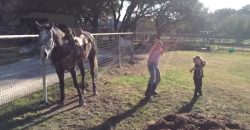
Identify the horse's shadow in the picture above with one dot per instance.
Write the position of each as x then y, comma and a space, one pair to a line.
111, 122
188, 107
9, 121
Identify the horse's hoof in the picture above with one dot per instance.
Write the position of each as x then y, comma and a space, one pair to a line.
82, 103
95, 93
61, 103
83, 92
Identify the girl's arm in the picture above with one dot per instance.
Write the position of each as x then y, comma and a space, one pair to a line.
164, 47
191, 70
162, 50
204, 63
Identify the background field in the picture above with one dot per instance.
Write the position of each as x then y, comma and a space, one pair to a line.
121, 104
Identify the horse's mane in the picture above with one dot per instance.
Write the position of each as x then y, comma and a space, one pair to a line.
55, 29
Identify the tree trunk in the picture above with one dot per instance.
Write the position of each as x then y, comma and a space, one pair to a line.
2, 23
158, 34
127, 17
116, 25
95, 24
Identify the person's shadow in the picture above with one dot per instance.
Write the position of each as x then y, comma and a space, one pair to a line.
111, 122
188, 107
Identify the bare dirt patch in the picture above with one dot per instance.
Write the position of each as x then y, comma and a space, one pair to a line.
190, 121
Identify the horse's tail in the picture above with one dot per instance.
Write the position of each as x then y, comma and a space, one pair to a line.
95, 48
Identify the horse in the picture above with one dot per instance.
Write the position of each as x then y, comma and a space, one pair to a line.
66, 50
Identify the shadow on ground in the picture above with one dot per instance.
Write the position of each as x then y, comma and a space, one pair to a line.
188, 107
19, 117
111, 122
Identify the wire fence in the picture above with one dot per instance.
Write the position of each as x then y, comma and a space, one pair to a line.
200, 43
21, 72
24, 76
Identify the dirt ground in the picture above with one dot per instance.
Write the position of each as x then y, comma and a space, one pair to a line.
121, 104
191, 121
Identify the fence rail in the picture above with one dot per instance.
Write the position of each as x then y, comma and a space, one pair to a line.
36, 35
17, 36
26, 76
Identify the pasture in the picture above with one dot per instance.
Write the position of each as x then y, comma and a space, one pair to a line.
121, 104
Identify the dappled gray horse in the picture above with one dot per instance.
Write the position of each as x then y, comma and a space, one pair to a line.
66, 50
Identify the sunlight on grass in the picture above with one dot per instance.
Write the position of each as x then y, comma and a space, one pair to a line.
225, 86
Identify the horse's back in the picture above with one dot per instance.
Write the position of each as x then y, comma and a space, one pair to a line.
77, 31
83, 36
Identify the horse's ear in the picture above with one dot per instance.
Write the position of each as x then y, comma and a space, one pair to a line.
51, 25
38, 25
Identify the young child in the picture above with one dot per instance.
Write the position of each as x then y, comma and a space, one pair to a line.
153, 61
198, 74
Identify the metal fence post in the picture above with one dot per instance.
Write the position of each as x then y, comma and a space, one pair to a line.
119, 51
133, 47
44, 82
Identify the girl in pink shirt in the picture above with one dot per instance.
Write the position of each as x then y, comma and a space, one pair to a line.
154, 55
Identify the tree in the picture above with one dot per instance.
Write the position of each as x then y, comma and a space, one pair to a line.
221, 15
136, 10
92, 11
167, 13
236, 25
10, 9
245, 9
175, 12
116, 7
89, 11
230, 22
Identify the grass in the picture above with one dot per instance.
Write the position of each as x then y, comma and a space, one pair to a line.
121, 104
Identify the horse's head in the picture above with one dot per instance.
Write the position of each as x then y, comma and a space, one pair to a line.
46, 40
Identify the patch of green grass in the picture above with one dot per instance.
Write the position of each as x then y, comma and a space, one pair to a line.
121, 104
175, 78
131, 80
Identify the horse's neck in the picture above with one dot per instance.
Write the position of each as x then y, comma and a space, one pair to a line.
58, 36
61, 52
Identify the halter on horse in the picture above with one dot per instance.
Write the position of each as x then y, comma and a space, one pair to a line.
66, 51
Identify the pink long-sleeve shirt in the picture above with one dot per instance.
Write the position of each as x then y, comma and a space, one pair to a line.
154, 57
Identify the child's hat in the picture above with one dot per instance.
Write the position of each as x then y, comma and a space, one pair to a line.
196, 57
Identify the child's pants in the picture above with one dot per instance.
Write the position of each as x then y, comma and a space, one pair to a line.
154, 79
198, 85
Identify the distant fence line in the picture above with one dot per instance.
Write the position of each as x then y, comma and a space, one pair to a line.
195, 41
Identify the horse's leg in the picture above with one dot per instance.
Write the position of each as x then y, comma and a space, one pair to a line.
60, 74
82, 70
93, 73
73, 74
